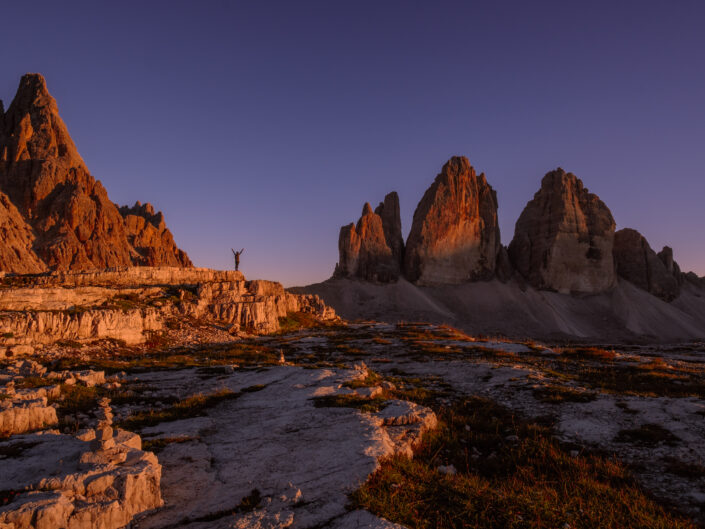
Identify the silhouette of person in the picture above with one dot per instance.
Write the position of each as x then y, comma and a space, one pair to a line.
237, 258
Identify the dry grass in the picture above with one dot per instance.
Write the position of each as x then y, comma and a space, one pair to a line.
511, 473
365, 405
554, 394
193, 406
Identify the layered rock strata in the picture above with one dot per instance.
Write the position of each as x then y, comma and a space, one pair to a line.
62, 217
64, 481
564, 238
455, 235
132, 303
639, 264
372, 249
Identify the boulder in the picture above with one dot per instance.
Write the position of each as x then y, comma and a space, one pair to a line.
371, 250
639, 264
563, 239
69, 221
454, 236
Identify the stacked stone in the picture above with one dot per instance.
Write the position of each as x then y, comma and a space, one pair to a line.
104, 432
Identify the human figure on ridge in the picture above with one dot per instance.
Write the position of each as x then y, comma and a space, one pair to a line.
237, 258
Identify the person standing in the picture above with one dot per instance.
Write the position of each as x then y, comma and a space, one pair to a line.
237, 258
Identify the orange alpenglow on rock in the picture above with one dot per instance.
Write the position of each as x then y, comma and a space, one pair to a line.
372, 249
58, 216
454, 236
564, 237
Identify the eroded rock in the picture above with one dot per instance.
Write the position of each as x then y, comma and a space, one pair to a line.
639, 264
372, 249
60, 217
564, 238
455, 234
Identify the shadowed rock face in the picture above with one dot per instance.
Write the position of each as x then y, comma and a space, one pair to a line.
390, 213
73, 222
455, 235
563, 239
639, 264
16, 254
371, 250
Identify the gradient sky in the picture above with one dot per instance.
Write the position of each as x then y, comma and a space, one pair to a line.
267, 125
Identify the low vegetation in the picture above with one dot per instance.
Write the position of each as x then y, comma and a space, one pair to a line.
365, 405
192, 406
507, 473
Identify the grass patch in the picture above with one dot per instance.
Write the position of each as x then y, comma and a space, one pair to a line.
193, 406
36, 382
591, 353
363, 404
296, 321
511, 473
372, 379
561, 394
647, 434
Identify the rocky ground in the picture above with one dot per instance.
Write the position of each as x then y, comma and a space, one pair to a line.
313, 427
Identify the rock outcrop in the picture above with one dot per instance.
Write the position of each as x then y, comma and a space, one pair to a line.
390, 213
69, 221
564, 237
639, 264
149, 236
130, 304
372, 249
16, 241
454, 235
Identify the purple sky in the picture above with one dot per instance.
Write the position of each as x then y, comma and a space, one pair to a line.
268, 124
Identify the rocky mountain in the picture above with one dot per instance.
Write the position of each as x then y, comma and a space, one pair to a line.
390, 213
454, 235
636, 262
365, 252
62, 217
563, 239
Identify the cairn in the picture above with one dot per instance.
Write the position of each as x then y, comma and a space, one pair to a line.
104, 432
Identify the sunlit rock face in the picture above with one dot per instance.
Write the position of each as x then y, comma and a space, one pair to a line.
69, 221
372, 249
564, 237
637, 263
454, 235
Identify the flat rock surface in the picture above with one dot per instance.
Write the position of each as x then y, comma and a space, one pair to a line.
275, 441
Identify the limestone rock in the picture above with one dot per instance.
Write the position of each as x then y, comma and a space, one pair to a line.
74, 225
638, 263
666, 256
455, 235
16, 252
390, 213
81, 306
563, 239
19, 415
149, 236
372, 249
61, 484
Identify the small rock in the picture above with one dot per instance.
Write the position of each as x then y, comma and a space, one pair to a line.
449, 470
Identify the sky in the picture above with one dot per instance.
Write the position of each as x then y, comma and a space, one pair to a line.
267, 125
